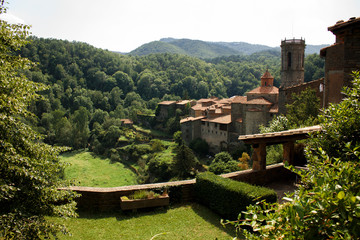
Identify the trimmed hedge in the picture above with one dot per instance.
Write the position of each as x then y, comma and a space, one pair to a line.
229, 197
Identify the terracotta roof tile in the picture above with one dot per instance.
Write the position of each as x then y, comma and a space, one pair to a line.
167, 102
183, 102
190, 119
267, 75
259, 101
268, 90
199, 107
225, 119
239, 99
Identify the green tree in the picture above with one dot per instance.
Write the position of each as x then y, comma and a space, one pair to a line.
29, 169
304, 109
185, 162
81, 132
223, 163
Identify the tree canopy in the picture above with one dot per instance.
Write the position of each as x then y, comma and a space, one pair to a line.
29, 169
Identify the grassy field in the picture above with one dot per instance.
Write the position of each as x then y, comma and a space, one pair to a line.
190, 222
91, 171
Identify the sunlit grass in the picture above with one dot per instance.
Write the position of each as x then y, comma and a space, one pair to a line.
92, 171
182, 222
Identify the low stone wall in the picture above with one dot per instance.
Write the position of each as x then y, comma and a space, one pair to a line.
108, 199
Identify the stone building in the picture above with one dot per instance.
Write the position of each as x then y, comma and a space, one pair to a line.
220, 121
167, 109
341, 58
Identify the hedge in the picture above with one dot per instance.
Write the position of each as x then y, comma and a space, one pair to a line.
229, 197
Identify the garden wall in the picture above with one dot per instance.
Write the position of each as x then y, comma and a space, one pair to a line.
108, 199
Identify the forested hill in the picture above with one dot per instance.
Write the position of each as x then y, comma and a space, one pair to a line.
203, 49
91, 89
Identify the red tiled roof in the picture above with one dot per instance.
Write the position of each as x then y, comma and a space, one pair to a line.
226, 119
207, 100
198, 107
267, 75
167, 102
239, 99
183, 102
190, 119
259, 101
267, 90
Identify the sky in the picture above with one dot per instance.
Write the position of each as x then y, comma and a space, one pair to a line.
124, 25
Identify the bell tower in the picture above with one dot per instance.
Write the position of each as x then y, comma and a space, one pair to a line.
292, 62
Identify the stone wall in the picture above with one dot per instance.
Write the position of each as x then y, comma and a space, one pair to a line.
285, 94
108, 199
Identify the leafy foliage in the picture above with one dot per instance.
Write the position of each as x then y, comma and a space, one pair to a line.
228, 197
304, 109
327, 203
185, 162
223, 163
29, 169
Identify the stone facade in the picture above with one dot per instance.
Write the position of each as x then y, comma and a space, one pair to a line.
292, 62
341, 58
220, 121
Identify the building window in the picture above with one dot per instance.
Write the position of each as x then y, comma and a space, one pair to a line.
203, 123
216, 125
289, 59
223, 127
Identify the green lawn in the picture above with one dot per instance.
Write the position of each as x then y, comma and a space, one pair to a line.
91, 171
180, 222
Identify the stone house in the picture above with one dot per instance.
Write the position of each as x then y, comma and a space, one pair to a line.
341, 59
167, 109
221, 121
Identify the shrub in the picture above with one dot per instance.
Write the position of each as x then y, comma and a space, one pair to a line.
229, 197
223, 163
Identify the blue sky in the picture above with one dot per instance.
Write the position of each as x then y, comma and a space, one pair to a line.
123, 25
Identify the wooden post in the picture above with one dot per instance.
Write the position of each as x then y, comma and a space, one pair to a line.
288, 153
259, 157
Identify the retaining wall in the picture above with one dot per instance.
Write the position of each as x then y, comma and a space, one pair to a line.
108, 199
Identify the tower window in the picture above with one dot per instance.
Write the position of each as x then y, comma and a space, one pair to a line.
289, 59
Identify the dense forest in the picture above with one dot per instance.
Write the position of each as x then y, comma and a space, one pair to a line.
91, 89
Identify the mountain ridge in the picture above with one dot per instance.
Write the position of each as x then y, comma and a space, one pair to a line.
207, 49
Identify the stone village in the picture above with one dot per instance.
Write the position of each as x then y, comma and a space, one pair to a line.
220, 121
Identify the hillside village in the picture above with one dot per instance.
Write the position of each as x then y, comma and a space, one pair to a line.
220, 121
103, 104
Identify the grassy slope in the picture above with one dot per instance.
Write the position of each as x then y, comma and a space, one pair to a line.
182, 222
91, 171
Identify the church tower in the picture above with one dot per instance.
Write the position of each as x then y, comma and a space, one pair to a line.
292, 62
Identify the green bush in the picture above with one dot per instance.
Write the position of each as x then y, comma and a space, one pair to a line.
224, 163
228, 197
